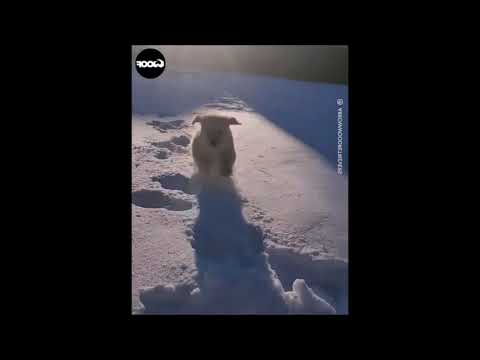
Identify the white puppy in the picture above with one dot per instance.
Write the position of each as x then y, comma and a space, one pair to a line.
212, 147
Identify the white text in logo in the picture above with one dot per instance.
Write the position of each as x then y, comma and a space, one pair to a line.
151, 64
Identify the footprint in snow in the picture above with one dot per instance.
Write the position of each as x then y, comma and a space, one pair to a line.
162, 154
163, 126
158, 199
177, 144
174, 181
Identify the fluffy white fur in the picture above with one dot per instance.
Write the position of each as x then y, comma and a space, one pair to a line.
212, 148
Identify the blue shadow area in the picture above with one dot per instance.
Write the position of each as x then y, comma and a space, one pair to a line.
221, 231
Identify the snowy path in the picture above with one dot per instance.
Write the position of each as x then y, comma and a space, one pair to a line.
239, 246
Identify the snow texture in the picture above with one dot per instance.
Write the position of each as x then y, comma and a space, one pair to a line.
270, 240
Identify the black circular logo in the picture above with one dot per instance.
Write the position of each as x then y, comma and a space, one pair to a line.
150, 63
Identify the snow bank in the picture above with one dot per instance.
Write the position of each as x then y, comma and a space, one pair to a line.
228, 288
328, 277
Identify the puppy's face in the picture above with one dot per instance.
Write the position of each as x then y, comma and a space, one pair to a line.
215, 128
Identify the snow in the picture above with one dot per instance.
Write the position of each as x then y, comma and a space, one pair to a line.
270, 240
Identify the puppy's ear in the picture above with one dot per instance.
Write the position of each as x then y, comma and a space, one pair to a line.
233, 121
198, 118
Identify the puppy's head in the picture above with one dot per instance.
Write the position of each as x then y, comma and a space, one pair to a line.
215, 127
